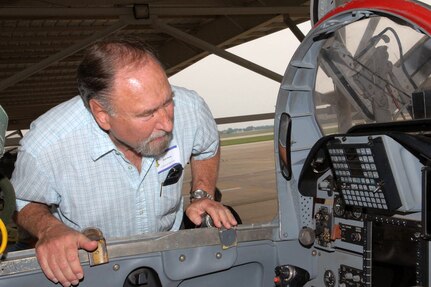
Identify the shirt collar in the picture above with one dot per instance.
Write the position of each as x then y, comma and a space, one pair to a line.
101, 143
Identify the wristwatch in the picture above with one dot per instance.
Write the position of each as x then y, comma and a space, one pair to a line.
199, 193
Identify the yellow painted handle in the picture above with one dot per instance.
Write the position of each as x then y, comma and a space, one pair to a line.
4, 238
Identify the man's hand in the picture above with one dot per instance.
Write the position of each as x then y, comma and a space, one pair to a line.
57, 253
57, 245
221, 216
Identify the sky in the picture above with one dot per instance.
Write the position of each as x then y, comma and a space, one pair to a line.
231, 90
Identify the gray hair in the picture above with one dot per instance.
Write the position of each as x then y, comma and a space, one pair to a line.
96, 72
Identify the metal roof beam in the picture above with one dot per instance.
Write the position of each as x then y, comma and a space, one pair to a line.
10, 142
145, 11
41, 89
215, 50
54, 12
294, 28
54, 98
59, 56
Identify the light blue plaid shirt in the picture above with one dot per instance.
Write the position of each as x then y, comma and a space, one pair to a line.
66, 161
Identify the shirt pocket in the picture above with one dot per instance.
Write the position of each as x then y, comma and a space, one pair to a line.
170, 196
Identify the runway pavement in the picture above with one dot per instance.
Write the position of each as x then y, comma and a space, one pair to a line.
247, 181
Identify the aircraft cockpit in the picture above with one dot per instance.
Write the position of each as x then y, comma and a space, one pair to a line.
355, 115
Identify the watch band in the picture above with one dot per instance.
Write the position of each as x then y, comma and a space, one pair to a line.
200, 193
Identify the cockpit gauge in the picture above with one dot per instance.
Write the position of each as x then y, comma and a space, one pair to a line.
339, 206
356, 212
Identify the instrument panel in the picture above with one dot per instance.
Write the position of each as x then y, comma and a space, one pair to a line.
367, 212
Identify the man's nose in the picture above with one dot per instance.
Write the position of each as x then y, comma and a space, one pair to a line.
165, 119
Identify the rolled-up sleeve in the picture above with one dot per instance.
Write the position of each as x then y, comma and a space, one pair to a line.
31, 181
206, 142
194, 128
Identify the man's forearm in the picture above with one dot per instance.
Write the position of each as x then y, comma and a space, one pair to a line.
36, 218
205, 173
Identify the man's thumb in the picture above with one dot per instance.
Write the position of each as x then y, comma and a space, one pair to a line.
87, 244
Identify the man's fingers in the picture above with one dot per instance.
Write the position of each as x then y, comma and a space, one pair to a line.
66, 266
77, 273
62, 272
43, 262
221, 215
228, 219
195, 217
52, 269
59, 258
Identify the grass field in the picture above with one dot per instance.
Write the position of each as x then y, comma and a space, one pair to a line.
246, 139
246, 133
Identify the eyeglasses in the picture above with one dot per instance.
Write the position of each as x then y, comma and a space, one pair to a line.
173, 176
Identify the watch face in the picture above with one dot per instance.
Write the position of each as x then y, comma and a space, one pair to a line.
199, 193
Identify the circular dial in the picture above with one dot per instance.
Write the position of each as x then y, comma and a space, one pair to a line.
339, 206
356, 212
306, 236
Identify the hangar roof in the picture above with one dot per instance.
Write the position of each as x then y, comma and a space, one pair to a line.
42, 40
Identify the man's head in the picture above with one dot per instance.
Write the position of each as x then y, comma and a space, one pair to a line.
128, 93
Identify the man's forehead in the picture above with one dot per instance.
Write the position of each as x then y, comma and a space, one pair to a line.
140, 75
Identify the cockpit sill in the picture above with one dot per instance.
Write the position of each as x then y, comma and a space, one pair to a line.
25, 261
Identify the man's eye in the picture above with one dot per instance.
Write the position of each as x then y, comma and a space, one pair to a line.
146, 117
167, 104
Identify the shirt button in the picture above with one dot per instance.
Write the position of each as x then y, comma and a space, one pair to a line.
130, 167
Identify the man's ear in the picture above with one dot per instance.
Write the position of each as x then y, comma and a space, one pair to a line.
100, 114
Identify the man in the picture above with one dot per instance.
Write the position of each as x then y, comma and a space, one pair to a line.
112, 159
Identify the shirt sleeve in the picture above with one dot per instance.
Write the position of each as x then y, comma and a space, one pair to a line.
31, 181
206, 142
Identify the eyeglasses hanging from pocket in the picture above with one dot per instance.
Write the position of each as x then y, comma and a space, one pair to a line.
173, 176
